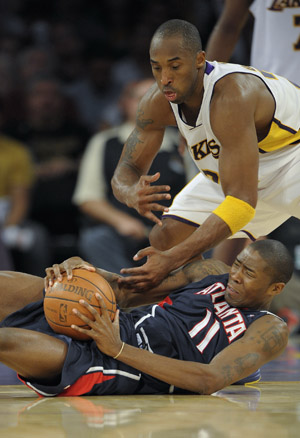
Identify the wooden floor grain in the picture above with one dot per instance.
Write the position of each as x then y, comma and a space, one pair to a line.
270, 408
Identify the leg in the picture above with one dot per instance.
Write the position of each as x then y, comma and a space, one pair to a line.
170, 233
17, 290
32, 354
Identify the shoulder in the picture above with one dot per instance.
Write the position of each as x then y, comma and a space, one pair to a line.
155, 106
269, 332
239, 99
235, 86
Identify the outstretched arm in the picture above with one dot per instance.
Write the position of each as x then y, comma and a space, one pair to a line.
227, 30
194, 271
264, 340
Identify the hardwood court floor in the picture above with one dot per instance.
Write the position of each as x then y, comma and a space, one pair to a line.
270, 408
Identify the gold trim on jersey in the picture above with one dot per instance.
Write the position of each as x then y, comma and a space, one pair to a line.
279, 136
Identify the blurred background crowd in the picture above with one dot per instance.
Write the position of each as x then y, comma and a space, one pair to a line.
64, 69
71, 75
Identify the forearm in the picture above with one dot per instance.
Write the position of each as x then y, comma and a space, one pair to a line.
263, 341
208, 235
125, 177
221, 43
126, 298
194, 271
190, 376
226, 33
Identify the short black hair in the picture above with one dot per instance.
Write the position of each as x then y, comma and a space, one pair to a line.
189, 33
279, 260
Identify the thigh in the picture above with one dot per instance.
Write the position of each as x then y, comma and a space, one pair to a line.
195, 202
17, 290
32, 354
282, 190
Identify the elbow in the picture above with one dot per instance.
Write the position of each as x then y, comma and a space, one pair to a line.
210, 386
209, 382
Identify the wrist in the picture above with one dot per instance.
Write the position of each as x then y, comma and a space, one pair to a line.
178, 256
120, 351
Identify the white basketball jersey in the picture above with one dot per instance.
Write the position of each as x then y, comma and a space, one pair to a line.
276, 37
203, 144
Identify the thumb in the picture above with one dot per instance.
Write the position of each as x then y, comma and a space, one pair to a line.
116, 318
152, 178
145, 252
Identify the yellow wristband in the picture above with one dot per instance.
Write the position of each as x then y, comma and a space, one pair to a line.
235, 212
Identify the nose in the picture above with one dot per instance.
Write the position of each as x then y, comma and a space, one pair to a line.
235, 274
165, 78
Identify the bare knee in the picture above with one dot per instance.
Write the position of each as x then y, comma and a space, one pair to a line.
32, 354
169, 234
17, 290
9, 341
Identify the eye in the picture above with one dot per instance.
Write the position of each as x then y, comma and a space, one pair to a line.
155, 67
250, 274
175, 67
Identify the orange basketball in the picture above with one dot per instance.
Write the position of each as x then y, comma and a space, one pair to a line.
64, 296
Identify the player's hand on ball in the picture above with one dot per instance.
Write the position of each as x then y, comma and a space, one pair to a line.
55, 271
102, 330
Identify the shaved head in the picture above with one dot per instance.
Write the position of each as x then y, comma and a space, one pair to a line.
188, 33
279, 261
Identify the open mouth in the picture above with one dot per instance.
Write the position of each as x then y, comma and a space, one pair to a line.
232, 292
170, 95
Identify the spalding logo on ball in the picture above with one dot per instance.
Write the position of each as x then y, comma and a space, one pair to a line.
64, 296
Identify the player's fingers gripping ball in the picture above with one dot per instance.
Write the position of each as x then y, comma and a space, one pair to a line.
64, 296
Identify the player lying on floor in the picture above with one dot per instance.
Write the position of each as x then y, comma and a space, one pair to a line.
212, 331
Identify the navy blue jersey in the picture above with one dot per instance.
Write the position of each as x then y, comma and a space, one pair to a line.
193, 323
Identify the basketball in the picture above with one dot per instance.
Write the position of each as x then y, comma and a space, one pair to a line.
64, 296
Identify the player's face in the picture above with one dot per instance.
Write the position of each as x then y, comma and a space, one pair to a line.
177, 71
249, 283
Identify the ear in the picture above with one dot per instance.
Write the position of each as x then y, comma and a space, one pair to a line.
276, 288
200, 61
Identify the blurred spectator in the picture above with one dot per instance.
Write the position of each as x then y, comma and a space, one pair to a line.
56, 141
34, 61
94, 96
111, 232
134, 65
68, 48
24, 244
7, 76
57, 39
6, 263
